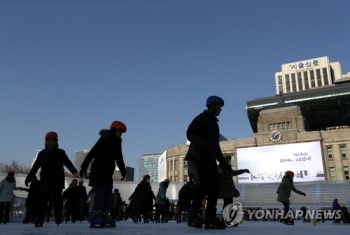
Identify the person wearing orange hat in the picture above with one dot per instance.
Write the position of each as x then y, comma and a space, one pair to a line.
143, 200
284, 190
71, 195
51, 161
7, 185
105, 154
161, 202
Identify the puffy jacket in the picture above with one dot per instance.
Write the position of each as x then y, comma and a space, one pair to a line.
106, 152
204, 133
52, 165
161, 195
6, 190
228, 188
285, 189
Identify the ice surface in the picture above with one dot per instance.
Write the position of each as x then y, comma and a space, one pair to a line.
172, 228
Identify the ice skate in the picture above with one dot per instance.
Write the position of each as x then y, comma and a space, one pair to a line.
108, 220
96, 220
195, 221
214, 223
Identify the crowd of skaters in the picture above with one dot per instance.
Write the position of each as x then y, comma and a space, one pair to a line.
102, 206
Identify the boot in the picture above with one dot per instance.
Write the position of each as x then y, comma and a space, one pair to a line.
39, 222
194, 220
96, 220
109, 221
289, 221
135, 219
212, 222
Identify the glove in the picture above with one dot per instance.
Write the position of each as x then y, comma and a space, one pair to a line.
123, 177
82, 172
304, 194
278, 192
246, 171
26, 183
76, 175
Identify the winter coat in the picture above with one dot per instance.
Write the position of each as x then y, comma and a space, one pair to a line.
82, 192
336, 206
161, 195
71, 194
227, 188
106, 152
33, 194
52, 169
116, 201
204, 133
6, 189
143, 196
186, 192
285, 189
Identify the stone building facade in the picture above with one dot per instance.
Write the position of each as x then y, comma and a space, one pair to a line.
290, 123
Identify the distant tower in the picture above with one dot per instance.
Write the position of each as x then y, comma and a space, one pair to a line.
31, 166
79, 157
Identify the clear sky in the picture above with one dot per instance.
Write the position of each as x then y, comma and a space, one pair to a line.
75, 66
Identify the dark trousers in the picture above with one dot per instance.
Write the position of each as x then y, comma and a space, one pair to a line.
227, 201
46, 198
285, 210
209, 186
31, 213
102, 199
72, 210
6, 206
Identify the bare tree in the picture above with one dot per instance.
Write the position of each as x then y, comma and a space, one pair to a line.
15, 166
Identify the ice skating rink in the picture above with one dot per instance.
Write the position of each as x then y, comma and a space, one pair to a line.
172, 228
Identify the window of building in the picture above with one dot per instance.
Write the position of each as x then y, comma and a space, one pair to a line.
275, 126
171, 179
325, 76
167, 165
171, 164
294, 83
300, 82
283, 125
185, 164
312, 78
175, 178
318, 76
329, 152
287, 83
343, 151
270, 127
232, 160
185, 178
346, 172
288, 125
306, 80
175, 164
333, 175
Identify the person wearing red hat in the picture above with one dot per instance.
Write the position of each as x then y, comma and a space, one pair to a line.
7, 185
105, 154
51, 161
284, 190
71, 195
143, 200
